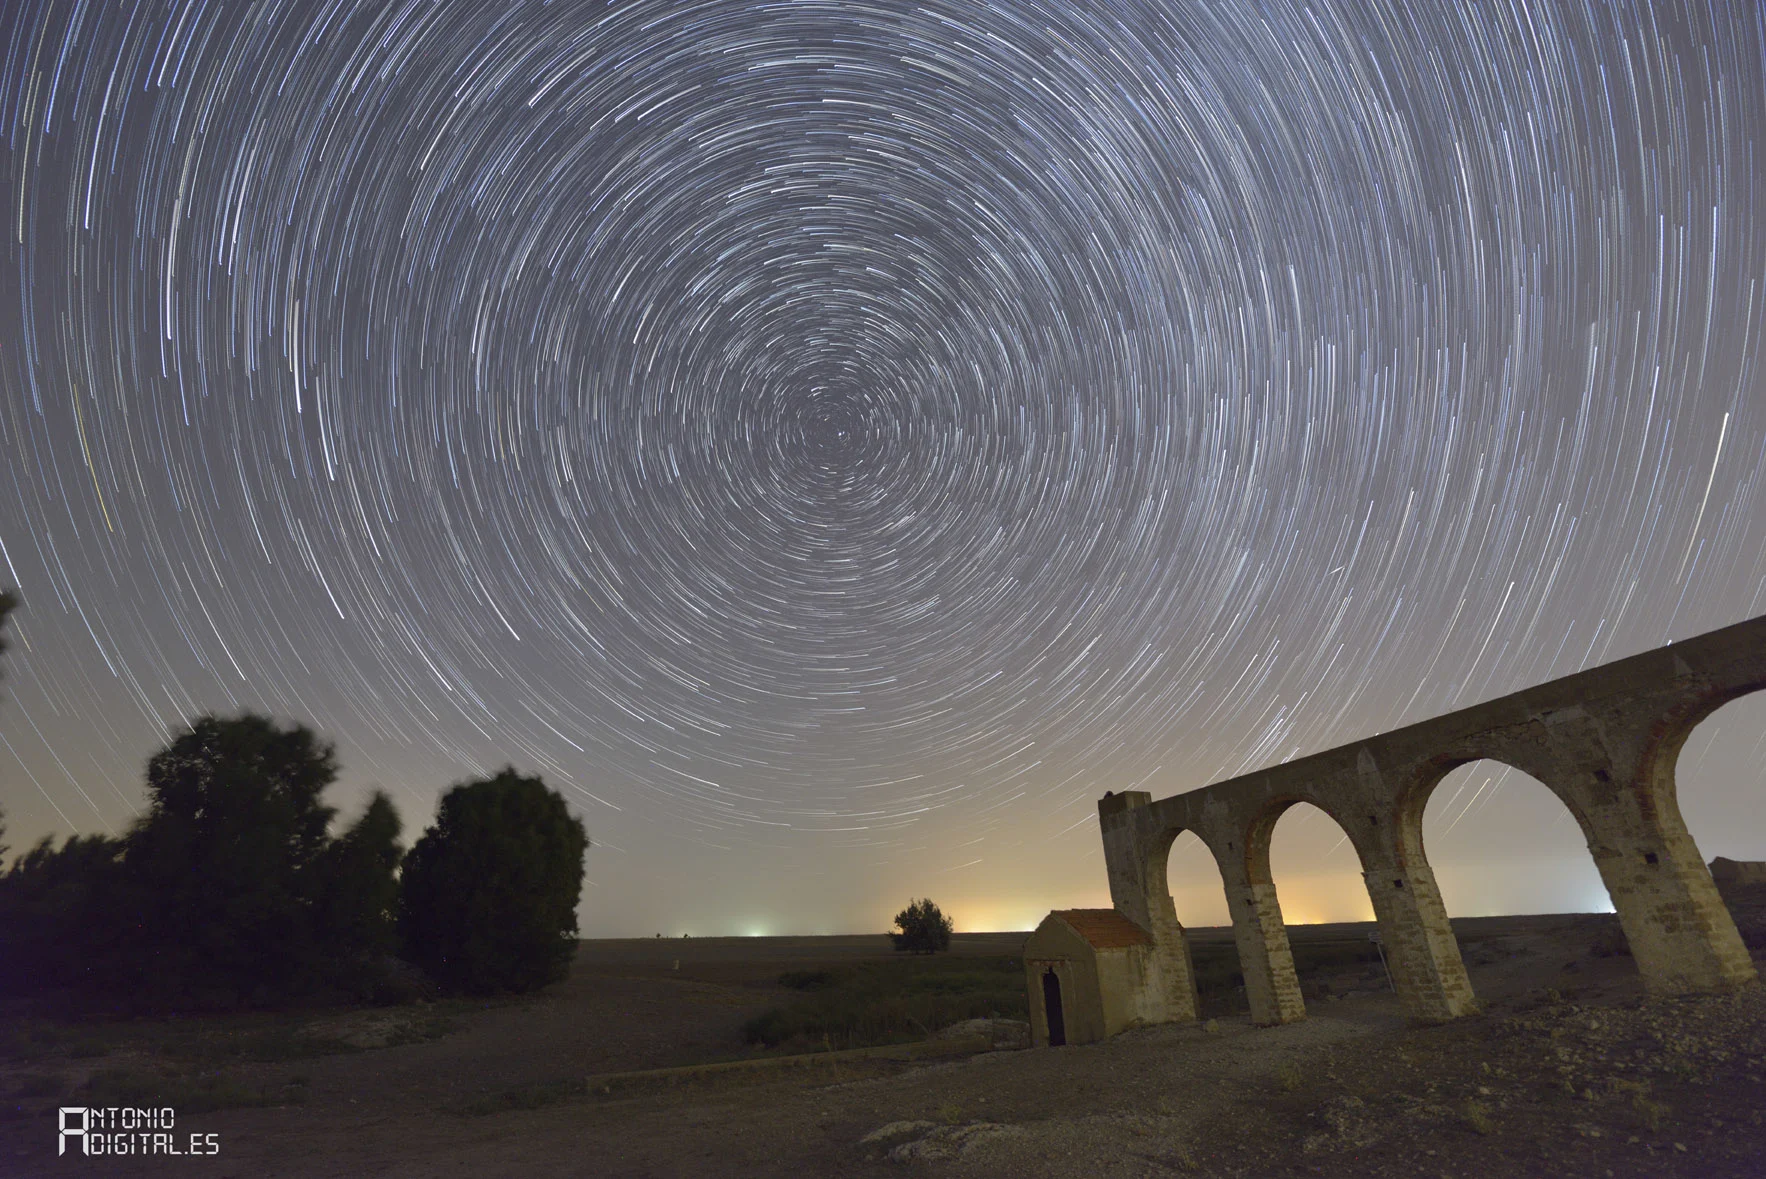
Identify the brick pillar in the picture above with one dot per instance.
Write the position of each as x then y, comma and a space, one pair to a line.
1681, 935
1264, 957
1138, 892
1421, 951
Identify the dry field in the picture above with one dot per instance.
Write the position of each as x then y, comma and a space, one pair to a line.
1571, 1071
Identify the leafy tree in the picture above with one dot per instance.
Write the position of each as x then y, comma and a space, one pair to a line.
57, 920
924, 930
228, 890
356, 910
55, 926
489, 893
226, 869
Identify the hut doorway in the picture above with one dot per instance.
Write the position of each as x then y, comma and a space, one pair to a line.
1051, 1005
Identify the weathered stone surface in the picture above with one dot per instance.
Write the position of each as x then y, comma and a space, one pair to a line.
1603, 740
1726, 871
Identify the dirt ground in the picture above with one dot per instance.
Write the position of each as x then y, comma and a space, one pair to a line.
1570, 1071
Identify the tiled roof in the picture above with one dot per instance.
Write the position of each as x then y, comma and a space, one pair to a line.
1104, 929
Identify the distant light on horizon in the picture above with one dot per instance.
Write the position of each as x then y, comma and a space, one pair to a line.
835, 443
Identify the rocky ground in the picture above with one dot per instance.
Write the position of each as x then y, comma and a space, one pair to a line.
1570, 1071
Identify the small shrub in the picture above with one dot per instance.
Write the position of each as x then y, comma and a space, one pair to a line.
1180, 1158
770, 1027
809, 980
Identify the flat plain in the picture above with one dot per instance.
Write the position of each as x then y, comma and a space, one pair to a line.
1570, 1070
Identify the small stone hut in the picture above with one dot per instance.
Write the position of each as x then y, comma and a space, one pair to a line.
1086, 972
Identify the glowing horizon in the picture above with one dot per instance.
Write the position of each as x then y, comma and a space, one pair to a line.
834, 444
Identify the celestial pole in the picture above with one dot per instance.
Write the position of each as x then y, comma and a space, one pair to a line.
826, 436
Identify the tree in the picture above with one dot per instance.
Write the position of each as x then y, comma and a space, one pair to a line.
488, 898
356, 909
229, 890
57, 921
924, 930
8, 603
57, 928
224, 872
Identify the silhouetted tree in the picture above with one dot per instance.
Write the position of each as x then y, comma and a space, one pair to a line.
228, 890
358, 896
59, 928
488, 898
8, 603
224, 871
924, 930
47, 898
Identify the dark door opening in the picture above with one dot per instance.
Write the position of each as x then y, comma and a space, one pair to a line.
1051, 1006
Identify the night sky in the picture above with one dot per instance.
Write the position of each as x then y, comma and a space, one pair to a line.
835, 442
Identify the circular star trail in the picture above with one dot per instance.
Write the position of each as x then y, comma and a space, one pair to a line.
834, 436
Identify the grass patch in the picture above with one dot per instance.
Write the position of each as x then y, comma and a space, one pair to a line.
1310, 957
265, 1044
193, 1093
257, 1037
1216, 964
889, 1001
1650, 1114
432, 1027
32, 1040
37, 1085
30, 1095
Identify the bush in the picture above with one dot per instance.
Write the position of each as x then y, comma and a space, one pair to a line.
57, 919
924, 930
488, 902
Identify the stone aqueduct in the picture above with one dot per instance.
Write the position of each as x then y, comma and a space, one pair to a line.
1603, 740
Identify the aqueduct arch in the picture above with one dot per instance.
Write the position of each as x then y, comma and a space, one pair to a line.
1603, 740
1530, 819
